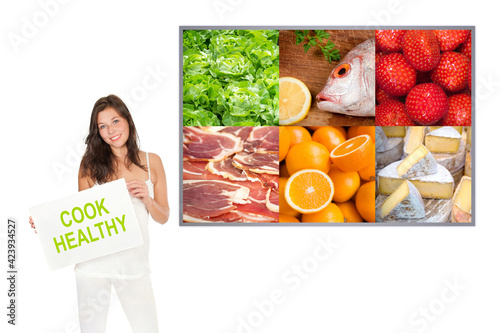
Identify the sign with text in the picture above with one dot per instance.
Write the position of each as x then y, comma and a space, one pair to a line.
87, 225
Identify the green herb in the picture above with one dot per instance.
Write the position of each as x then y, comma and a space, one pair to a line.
230, 78
315, 38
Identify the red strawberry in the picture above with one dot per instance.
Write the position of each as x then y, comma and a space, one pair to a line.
465, 48
451, 72
459, 112
381, 96
421, 49
426, 103
469, 77
450, 39
395, 75
379, 56
389, 40
392, 113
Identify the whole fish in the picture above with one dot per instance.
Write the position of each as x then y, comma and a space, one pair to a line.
350, 88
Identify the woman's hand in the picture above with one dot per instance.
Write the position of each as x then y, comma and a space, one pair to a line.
139, 189
33, 224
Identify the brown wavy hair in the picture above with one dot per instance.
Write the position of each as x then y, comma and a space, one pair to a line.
98, 162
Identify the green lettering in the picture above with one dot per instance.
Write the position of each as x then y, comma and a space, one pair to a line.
69, 240
99, 225
109, 227
62, 220
61, 243
101, 206
81, 237
90, 236
87, 213
81, 214
122, 222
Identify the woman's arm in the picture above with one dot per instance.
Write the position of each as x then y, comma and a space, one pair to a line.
157, 207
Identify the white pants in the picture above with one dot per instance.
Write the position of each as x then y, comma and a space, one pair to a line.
135, 295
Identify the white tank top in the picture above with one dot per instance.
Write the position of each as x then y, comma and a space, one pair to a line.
127, 264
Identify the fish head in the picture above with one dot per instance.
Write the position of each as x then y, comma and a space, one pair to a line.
348, 89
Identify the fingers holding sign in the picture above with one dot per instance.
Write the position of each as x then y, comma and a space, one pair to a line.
33, 224
139, 189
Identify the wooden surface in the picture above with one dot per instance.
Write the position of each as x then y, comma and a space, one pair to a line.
313, 69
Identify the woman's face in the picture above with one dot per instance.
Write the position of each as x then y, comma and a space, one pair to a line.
113, 128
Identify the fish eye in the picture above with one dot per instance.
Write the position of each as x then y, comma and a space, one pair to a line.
341, 70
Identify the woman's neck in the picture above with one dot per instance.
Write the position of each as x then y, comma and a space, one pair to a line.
120, 153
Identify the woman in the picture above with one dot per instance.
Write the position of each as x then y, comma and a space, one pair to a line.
112, 153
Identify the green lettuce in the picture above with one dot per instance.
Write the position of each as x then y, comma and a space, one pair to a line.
230, 77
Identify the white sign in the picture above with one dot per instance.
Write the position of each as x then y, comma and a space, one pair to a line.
87, 225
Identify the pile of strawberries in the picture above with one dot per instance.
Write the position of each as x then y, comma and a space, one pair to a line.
423, 77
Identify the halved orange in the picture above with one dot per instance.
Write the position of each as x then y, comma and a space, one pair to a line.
295, 100
309, 191
353, 154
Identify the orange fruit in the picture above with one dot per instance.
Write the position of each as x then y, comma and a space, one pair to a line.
349, 211
330, 214
328, 136
285, 208
342, 130
365, 201
309, 191
284, 143
368, 172
352, 132
346, 183
313, 128
295, 100
369, 130
308, 155
284, 170
298, 134
287, 219
353, 154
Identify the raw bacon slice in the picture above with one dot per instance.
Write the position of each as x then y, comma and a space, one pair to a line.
257, 162
226, 169
263, 139
199, 145
210, 198
273, 200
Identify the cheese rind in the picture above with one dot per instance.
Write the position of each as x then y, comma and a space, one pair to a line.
438, 185
394, 131
453, 161
381, 142
443, 140
436, 211
419, 163
405, 203
459, 216
458, 128
392, 154
414, 138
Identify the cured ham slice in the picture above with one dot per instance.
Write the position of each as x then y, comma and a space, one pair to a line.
197, 171
226, 169
199, 145
209, 198
241, 132
263, 139
273, 200
267, 180
258, 162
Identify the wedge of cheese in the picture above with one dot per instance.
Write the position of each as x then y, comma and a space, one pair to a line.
458, 128
436, 211
404, 203
467, 169
394, 131
443, 140
414, 138
438, 185
419, 163
462, 201
381, 142
454, 161
392, 154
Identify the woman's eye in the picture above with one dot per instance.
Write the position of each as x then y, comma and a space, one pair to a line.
102, 126
116, 121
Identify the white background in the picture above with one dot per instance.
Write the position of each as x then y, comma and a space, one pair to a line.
210, 279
